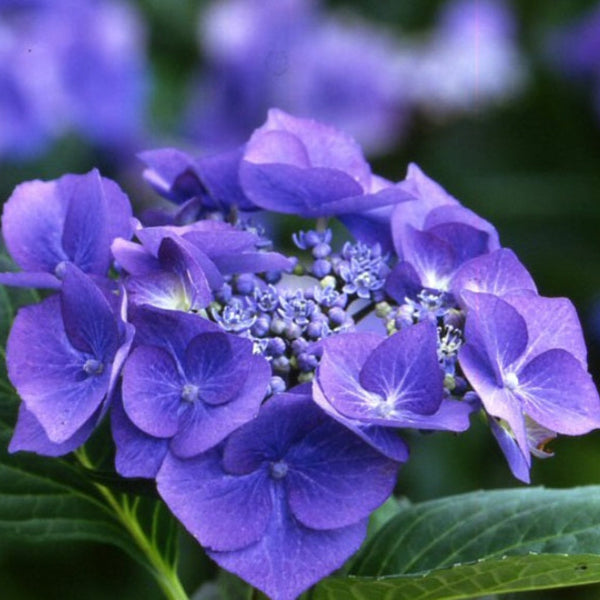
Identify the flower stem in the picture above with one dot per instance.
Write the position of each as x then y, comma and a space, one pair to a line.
163, 572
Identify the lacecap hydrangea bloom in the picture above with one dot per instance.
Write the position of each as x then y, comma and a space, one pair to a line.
267, 394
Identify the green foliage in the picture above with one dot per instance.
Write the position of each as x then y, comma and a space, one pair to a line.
480, 543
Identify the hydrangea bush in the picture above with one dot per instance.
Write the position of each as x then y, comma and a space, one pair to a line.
266, 394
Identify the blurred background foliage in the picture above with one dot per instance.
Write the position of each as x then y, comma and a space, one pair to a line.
530, 165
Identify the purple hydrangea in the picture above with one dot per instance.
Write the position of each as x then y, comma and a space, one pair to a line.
527, 374
65, 372
267, 394
367, 382
189, 382
48, 225
284, 501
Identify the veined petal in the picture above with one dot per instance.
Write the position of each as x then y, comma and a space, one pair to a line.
50, 374
559, 394
326, 482
498, 273
290, 557
89, 322
30, 436
223, 512
152, 391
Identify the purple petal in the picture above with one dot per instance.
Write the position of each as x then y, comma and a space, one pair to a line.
519, 462
466, 242
152, 391
220, 175
172, 174
403, 282
176, 259
324, 146
253, 262
498, 273
218, 364
30, 279
90, 323
384, 440
432, 258
135, 259
496, 326
181, 256
221, 511
289, 557
497, 400
203, 426
171, 330
565, 331
457, 214
32, 223
428, 195
326, 481
85, 237
222, 241
49, 373
304, 192
559, 394
161, 290
339, 369
30, 436
277, 147
137, 453
294, 415
405, 372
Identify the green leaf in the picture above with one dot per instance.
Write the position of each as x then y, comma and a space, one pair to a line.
55, 500
478, 544
48, 500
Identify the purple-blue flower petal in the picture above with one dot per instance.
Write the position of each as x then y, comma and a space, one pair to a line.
202, 427
152, 390
563, 332
218, 364
327, 488
498, 327
221, 511
30, 436
137, 453
498, 273
54, 379
289, 558
405, 372
558, 393
89, 321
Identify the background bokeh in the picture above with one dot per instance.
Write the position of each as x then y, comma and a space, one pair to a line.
529, 163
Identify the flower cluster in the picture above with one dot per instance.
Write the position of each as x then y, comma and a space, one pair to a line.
265, 393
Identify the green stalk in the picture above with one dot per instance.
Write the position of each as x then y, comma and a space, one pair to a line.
164, 573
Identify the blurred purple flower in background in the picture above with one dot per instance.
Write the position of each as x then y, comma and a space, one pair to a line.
470, 59
575, 50
261, 54
360, 77
70, 67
